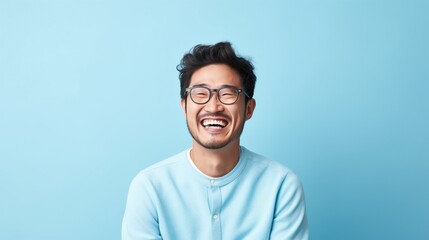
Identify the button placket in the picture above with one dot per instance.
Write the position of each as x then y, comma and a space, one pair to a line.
215, 200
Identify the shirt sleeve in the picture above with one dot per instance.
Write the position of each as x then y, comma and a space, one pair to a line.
290, 221
140, 221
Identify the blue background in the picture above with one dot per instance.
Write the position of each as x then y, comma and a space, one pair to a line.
89, 95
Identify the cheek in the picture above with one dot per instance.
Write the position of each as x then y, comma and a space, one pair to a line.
239, 114
192, 112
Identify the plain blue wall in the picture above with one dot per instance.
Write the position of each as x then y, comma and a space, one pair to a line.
89, 95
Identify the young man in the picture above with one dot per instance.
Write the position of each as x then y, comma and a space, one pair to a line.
217, 189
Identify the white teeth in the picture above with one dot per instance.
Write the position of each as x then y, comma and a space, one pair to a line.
214, 123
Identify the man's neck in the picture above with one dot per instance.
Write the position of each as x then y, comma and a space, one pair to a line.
215, 162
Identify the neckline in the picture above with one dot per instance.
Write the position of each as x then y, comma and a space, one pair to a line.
218, 181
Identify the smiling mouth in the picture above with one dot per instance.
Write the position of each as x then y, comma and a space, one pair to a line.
214, 123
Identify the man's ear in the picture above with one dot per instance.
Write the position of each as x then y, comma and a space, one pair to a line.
183, 105
250, 107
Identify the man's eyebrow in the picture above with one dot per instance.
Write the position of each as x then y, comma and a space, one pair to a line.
226, 85
200, 85
207, 86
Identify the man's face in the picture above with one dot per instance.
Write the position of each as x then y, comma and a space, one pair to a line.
214, 125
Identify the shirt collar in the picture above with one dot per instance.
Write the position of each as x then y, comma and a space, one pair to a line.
219, 181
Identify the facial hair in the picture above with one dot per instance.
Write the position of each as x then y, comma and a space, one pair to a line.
212, 145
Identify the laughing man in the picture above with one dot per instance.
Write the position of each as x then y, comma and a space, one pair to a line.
217, 189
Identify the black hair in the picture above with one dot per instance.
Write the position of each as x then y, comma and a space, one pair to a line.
219, 53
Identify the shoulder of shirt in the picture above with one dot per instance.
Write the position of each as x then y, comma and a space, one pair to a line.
167, 163
273, 166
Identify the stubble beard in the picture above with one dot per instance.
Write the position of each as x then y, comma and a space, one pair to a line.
212, 144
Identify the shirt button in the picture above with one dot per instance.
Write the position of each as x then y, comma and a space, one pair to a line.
215, 217
212, 182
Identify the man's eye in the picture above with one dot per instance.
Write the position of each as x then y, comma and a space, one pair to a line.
228, 94
200, 94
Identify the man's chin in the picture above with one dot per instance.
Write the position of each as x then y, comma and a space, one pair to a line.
213, 145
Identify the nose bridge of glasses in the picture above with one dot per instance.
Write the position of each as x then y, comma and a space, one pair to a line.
216, 91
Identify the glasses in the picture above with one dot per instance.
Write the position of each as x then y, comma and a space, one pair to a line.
226, 95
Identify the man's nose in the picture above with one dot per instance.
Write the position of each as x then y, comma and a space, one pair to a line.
214, 105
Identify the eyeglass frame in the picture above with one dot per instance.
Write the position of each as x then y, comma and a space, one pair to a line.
211, 90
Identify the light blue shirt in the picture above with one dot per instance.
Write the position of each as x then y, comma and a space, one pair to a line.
259, 199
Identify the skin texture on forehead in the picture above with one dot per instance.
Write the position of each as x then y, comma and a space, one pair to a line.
216, 76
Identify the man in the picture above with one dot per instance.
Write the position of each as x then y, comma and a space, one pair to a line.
217, 189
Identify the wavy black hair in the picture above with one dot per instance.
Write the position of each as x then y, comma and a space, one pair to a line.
219, 53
